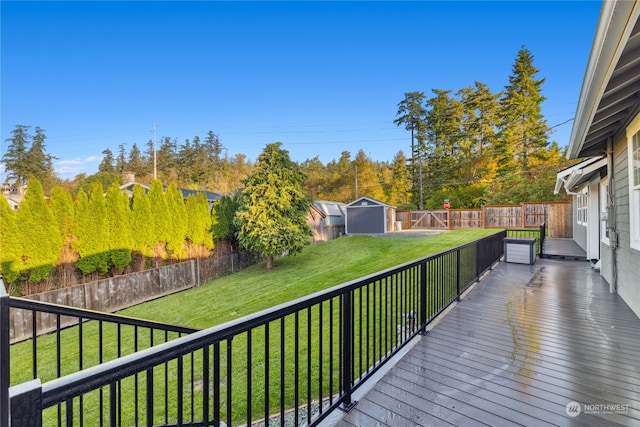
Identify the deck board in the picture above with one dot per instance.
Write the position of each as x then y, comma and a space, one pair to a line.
526, 341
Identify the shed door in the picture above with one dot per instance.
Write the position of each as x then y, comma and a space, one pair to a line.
365, 220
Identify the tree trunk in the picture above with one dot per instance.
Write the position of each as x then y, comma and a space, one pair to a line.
269, 265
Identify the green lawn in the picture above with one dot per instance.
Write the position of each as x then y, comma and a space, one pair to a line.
316, 268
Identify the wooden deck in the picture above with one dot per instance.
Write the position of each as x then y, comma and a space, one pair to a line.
563, 249
517, 350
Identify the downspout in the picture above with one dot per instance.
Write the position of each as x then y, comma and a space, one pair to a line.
611, 217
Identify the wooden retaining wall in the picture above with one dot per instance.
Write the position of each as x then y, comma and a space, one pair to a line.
106, 295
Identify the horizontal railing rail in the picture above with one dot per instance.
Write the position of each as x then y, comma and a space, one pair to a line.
66, 339
293, 363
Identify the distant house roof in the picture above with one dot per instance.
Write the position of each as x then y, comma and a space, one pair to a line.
211, 196
330, 208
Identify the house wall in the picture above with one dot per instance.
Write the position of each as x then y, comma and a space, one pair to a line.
579, 230
627, 259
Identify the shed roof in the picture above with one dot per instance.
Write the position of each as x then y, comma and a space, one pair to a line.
330, 208
359, 202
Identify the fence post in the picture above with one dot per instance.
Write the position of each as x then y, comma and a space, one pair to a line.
543, 232
26, 404
4, 357
423, 297
347, 350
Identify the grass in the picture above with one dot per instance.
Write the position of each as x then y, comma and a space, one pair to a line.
316, 268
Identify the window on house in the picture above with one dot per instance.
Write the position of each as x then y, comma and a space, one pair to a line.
633, 133
604, 223
582, 201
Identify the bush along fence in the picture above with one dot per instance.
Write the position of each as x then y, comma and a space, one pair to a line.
300, 360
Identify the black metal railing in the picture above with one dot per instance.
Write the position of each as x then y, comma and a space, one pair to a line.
299, 360
63, 339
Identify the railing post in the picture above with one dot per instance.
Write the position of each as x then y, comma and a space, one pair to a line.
26, 404
423, 296
4, 357
543, 232
347, 351
458, 275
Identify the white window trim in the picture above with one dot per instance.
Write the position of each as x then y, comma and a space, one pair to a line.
582, 206
604, 221
634, 190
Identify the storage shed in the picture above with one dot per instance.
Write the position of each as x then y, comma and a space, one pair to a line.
369, 216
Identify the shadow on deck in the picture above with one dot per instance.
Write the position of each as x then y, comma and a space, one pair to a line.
542, 344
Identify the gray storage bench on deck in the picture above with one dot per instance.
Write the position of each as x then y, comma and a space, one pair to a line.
521, 250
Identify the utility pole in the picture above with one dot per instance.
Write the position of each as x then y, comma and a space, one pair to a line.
154, 150
356, 179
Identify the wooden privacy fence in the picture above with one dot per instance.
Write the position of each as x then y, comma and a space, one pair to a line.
556, 215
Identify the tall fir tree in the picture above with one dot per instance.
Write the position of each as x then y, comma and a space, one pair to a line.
412, 114
273, 215
16, 156
107, 163
524, 131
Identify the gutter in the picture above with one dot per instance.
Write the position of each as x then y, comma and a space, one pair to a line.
611, 217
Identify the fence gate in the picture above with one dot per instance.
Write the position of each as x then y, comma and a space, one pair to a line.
560, 220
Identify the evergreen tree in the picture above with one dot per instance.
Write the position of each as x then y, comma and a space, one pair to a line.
160, 220
177, 232
121, 160
399, 190
318, 178
137, 163
273, 215
63, 211
16, 157
39, 237
524, 131
9, 243
40, 163
118, 216
166, 159
342, 179
142, 228
368, 177
412, 114
107, 164
223, 213
92, 231
199, 224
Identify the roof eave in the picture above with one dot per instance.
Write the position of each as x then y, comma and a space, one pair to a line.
615, 25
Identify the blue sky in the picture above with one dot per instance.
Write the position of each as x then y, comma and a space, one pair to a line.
321, 77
